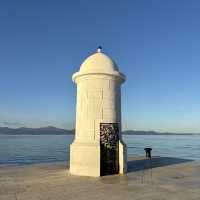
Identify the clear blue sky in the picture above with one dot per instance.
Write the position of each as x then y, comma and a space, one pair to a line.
155, 43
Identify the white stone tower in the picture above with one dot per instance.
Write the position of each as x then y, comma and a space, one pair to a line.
98, 148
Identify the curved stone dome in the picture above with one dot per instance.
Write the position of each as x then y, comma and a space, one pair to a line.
98, 62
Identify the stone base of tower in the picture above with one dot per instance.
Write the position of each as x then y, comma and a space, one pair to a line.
85, 159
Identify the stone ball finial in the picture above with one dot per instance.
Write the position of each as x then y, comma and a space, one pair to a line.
99, 49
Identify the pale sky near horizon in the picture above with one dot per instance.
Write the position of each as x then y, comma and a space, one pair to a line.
155, 43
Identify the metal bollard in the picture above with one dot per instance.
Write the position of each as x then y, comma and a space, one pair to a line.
148, 152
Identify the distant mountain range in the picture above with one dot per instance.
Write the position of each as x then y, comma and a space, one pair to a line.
131, 132
50, 130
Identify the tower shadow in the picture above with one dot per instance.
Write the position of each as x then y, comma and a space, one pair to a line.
141, 164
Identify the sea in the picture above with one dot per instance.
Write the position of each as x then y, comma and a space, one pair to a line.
30, 149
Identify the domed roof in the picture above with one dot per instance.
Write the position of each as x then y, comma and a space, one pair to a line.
98, 62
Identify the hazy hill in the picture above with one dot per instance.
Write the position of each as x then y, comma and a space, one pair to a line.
50, 130
35, 131
131, 132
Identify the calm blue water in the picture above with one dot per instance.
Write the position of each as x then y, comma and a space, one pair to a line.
49, 148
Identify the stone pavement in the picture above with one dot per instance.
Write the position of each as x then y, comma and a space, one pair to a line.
160, 179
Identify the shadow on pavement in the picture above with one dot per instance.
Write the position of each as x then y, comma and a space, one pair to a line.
137, 165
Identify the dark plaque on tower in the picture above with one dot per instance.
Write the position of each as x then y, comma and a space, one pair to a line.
109, 140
